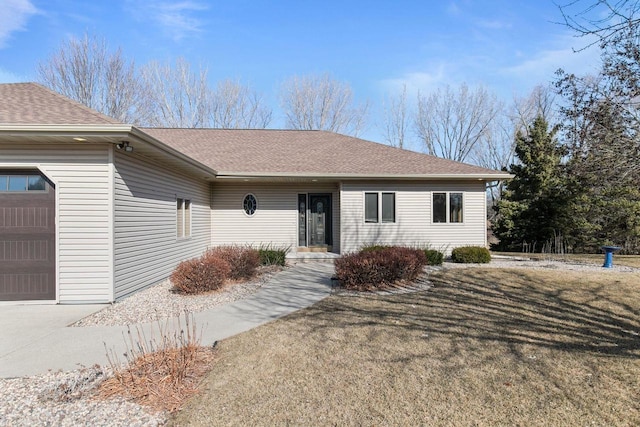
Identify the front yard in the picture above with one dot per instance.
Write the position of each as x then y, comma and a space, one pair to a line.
482, 347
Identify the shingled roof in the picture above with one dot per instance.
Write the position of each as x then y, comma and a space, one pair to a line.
239, 152
302, 152
34, 104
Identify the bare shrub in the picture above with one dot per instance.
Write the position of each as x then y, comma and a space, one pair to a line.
382, 267
243, 260
163, 373
198, 275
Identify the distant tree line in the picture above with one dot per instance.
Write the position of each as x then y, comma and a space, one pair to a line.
577, 184
573, 146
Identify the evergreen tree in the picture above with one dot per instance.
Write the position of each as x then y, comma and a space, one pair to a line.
532, 211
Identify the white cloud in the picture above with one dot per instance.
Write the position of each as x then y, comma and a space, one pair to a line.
178, 19
14, 16
418, 81
541, 66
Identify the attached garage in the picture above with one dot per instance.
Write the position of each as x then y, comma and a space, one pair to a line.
27, 236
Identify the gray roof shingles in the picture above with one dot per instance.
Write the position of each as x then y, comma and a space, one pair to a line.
233, 151
241, 151
34, 104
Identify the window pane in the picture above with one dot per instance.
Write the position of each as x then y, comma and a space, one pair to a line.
179, 218
455, 206
302, 220
250, 204
370, 207
17, 183
388, 207
439, 207
187, 217
3, 182
36, 183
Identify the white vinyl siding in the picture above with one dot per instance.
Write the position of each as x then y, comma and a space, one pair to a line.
413, 216
276, 219
147, 247
81, 175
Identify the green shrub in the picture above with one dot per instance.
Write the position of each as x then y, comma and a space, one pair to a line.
471, 255
243, 260
200, 275
376, 269
434, 257
273, 255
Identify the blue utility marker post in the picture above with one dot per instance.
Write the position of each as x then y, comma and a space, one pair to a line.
608, 255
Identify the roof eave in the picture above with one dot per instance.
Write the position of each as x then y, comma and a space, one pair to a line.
140, 135
352, 176
61, 130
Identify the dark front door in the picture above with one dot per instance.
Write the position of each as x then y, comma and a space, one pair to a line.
27, 237
320, 220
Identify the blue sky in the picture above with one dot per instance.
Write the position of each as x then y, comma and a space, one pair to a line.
376, 46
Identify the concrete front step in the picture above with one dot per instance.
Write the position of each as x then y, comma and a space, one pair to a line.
312, 257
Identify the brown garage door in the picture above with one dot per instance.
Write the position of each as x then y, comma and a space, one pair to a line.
27, 237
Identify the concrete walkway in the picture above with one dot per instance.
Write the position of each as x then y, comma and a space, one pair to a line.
35, 338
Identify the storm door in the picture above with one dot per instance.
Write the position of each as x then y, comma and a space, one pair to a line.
320, 220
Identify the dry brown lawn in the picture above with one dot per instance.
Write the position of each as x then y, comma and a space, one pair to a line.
598, 259
483, 347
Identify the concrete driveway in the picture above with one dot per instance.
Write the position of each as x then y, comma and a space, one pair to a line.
35, 338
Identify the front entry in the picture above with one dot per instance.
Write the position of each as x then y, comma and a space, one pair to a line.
320, 220
27, 237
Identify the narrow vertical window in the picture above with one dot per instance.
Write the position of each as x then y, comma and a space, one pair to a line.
439, 207
455, 207
180, 217
302, 220
388, 207
187, 218
370, 207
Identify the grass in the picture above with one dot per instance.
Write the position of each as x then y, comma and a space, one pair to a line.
483, 347
161, 372
627, 260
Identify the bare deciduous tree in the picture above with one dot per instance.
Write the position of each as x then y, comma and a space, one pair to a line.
396, 119
321, 103
180, 98
84, 70
235, 106
452, 123
539, 103
607, 21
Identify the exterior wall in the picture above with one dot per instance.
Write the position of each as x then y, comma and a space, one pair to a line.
276, 219
81, 174
413, 224
146, 246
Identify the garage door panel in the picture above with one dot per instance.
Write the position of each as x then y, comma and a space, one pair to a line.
27, 243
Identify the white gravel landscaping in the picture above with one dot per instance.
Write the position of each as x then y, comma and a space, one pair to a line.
65, 398
159, 302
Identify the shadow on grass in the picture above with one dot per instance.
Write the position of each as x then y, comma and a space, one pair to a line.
512, 308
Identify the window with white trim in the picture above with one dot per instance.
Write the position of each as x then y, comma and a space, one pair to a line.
21, 183
183, 217
447, 207
379, 205
250, 204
